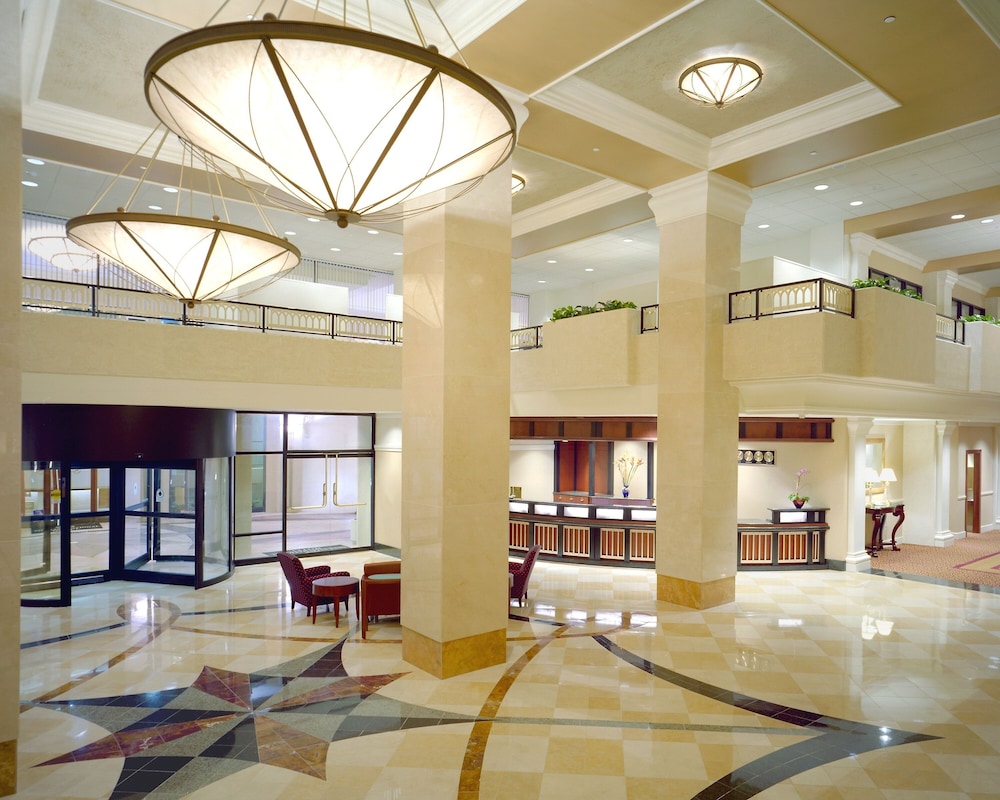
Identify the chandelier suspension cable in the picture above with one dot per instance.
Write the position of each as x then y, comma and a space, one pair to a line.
128, 164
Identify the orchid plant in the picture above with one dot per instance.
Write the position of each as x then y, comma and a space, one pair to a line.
627, 465
798, 480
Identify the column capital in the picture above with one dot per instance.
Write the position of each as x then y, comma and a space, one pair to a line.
697, 195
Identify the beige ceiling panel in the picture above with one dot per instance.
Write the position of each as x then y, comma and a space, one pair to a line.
96, 59
932, 214
934, 59
546, 179
545, 40
567, 138
647, 70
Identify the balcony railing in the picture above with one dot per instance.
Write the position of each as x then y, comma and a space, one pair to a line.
818, 294
39, 294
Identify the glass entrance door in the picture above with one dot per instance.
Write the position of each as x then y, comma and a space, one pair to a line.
44, 558
160, 520
328, 502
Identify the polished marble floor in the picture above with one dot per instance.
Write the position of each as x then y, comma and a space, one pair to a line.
811, 685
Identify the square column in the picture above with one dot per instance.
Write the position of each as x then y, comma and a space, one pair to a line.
10, 388
456, 431
697, 410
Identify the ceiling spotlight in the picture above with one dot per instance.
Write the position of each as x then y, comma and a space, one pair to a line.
720, 81
36, 161
857, 202
821, 187
986, 221
516, 183
551, 261
763, 226
31, 184
958, 216
340, 122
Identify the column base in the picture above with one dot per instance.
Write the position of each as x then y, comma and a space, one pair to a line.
692, 594
944, 539
858, 562
8, 767
447, 659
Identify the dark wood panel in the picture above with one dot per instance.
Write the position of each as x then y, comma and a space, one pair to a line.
788, 429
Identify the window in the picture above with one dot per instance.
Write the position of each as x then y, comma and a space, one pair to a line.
894, 282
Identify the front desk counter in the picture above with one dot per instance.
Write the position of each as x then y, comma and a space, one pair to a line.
619, 535
793, 538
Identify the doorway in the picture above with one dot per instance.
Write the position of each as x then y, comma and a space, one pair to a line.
973, 490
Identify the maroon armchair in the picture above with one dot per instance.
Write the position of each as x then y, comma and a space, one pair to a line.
379, 596
300, 580
522, 573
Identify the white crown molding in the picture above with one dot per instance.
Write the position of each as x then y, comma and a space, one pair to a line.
468, 21
833, 111
590, 198
697, 195
900, 255
612, 112
83, 126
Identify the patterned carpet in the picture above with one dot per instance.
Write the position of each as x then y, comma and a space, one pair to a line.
974, 559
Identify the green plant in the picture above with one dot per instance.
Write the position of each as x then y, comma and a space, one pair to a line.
882, 283
981, 318
602, 305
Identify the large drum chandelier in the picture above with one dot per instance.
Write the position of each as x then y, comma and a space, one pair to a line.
337, 121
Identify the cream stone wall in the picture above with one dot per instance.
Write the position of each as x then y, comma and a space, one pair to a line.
983, 339
952, 362
388, 479
898, 336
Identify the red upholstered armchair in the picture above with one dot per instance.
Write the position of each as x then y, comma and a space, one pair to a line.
300, 580
522, 573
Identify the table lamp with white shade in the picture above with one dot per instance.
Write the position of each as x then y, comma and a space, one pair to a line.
887, 476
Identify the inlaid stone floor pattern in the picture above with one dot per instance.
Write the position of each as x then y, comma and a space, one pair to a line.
811, 685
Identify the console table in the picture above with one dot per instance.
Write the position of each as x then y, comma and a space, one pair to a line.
878, 515
794, 538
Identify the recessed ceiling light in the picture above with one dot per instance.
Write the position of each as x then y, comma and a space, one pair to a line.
170, 189
541, 281
597, 149
812, 152
551, 261
986, 221
889, 20
312, 219
36, 161
958, 216
857, 202
627, 241
373, 232
820, 187
588, 269
28, 183
398, 253
763, 226
155, 208
335, 249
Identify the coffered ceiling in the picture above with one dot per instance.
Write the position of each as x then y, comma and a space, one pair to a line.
902, 116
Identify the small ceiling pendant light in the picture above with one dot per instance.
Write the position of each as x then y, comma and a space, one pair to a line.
516, 183
192, 258
339, 121
720, 81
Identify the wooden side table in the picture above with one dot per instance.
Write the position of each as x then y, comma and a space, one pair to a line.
337, 588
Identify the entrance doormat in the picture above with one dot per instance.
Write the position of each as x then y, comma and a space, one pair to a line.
313, 551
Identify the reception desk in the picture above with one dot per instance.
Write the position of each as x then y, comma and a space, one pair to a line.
616, 535
793, 538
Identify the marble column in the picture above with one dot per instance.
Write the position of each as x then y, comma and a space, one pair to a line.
456, 431
699, 219
10, 387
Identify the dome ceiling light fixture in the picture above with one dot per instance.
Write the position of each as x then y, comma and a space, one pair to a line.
188, 257
63, 253
720, 81
338, 121
517, 183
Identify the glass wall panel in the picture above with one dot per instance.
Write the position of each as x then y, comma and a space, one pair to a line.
259, 493
259, 433
318, 432
41, 551
160, 520
329, 502
217, 548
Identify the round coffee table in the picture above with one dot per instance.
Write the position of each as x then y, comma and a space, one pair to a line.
336, 588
